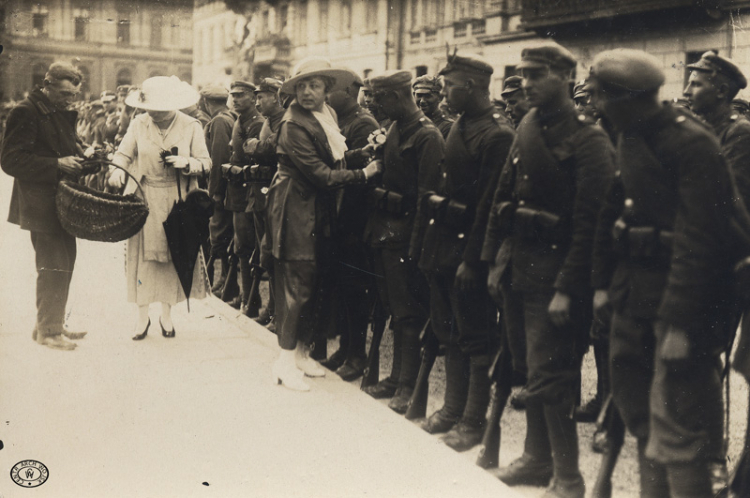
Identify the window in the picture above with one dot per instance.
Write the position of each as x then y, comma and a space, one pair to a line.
420, 71
459, 30
323, 20
123, 31
509, 71
156, 31
345, 17
371, 15
283, 18
430, 35
415, 20
80, 24
264, 28
302, 29
414, 37
478, 27
124, 77
39, 20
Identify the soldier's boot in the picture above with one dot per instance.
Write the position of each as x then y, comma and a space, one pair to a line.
219, 282
468, 432
567, 481
534, 467
250, 300
456, 391
356, 352
690, 480
386, 388
653, 475
410, 363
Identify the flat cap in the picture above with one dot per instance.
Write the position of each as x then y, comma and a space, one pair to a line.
548, 55
580, 89
241, 86
511, 85
469, 63
711, 62
632, 70
214, 91
390, 80
270, 85
107, 96
428, 83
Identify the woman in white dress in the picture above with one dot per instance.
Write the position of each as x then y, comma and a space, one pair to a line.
151, 275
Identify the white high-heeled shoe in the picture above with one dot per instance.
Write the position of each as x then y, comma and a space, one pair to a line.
310, 367
285, 372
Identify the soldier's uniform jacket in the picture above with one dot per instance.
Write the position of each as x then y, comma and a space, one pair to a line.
411, 167
265, 155
474, 153
560, 166
733, 131
218, 133
356, 125
244, 128
105, 129
301, 203
36, 135
442, 121
674, 179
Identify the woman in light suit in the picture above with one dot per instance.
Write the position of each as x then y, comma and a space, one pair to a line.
151, 275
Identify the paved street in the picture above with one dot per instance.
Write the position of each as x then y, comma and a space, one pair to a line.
193, 416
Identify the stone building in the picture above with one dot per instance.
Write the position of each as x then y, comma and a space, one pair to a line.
113, 42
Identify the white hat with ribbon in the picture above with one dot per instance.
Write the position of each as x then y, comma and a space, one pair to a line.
163, 93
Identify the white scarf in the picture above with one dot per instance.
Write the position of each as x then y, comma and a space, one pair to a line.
336, 140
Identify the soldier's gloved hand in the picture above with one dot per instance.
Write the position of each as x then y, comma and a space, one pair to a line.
559, 309
602, 306
675, 347
177, 162
250, 145
375, 167
70, 165
116, 178
467, 277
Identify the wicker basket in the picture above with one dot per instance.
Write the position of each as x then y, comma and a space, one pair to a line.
93, 215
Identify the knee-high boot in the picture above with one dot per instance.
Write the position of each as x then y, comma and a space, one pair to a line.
534, 467
690, 480
456, 390
469, 431
567, 481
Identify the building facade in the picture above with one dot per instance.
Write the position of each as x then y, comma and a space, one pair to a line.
113, 42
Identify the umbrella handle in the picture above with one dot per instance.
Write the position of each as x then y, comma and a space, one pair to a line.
99, 162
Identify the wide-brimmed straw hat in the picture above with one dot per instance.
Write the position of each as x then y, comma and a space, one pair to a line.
163, 93
318, 66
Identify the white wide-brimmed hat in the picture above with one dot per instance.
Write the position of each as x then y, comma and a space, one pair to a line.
318, 66
163, 93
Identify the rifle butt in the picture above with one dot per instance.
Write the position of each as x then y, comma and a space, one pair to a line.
231, 287
418, 401
489, 451
371, 374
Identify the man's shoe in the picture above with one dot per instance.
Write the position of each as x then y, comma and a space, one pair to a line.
250, 310
518, 400
74, 336
601, 442
566, 488
386, 388
335, 361
439, 422
352, 369
264, 317
526, 471
236, 303
56, 342
400, 401
588, 413
463, 436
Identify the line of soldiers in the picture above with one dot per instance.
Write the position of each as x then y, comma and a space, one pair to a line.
505, 243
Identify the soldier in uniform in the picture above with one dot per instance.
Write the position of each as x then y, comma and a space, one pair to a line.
411, 161
218, 134
516, 103
582, 100
105, 128
248, 125
541, 230
463, 315
427, 94
662, 258
369, 104
355, 288
262, 150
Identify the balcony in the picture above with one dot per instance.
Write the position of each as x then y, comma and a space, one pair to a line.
541, 14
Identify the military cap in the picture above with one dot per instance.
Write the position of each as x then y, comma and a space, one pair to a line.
270, 85
741, 105
428, 83
631, 70
214, 91
470, 63
241, 86
553, 56
511, 85
107, 96
390, 80
711, 62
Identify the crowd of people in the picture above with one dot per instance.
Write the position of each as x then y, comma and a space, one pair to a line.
531, 226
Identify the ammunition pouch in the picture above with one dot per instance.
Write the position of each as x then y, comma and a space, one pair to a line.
255, 173
234, 174
389, 201
641, 243
536, 224
446, 212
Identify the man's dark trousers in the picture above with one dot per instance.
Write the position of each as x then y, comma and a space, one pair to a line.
55, 259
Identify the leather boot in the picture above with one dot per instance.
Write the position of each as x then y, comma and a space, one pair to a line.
400, 401
469, 431
456, 390
567, 481
653, 475
690, 480
219, 282
251, 302
410, 361
534, 467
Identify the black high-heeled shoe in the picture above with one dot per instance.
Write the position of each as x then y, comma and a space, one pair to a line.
166, 333
140, 336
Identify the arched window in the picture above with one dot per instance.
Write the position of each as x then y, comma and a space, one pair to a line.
124, 77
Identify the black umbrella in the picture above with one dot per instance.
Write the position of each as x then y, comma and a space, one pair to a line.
186, 228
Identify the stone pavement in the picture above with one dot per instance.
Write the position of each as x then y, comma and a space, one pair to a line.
196, 415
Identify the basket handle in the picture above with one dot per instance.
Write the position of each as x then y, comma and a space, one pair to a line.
89, 165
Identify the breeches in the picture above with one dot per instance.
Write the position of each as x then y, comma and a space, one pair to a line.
55, 259
402, 287
244, 234
220, 231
